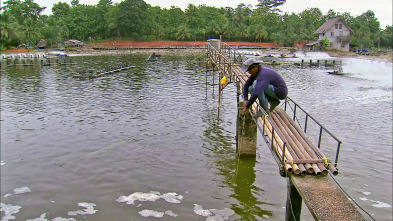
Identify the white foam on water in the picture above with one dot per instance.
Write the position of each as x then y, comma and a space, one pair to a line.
380, 204
200, 211
213, 214
151, 213
89, 209
7, 195
315, 55
130, 199
215, 218
366, 193
265, 216
63, 219
170, 213
152, 196
8, 210
172, 197
41, 218
2, 163
22, 190
377, 204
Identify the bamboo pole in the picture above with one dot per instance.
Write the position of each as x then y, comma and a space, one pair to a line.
288, 167
280, 143
301, 150
306, 147
294, 146
309, 146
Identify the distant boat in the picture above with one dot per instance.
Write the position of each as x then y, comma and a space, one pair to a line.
336, 72
57, 53
153, 57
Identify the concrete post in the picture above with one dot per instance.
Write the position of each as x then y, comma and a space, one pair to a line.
246, 134
294, 203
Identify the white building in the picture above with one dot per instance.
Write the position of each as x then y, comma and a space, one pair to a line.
337, 32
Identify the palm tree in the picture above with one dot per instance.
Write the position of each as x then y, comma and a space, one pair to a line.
229, 30
29, 32
243, 32
183, 33
260, 33
9, 28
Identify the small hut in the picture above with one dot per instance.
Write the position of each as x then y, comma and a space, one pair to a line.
42, 44
73, 43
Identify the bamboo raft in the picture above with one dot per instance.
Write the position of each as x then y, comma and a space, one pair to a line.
96, 74
100, 74
301, 156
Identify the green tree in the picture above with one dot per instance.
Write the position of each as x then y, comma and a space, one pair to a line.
183, 33
387, 37
133, 19
271, 5
260, 33
102, 9
311, 20
9, 30
366, 28
325, 43
61, 10
74, 3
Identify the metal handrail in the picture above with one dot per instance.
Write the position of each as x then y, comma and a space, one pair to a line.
322, 128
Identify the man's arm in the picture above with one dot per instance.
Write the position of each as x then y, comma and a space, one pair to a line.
258, 89
248, 83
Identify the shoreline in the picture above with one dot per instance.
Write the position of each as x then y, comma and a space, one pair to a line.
383, 57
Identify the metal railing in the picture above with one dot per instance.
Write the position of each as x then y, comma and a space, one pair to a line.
288, 102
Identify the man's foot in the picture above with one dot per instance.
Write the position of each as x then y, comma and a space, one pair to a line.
273, 104
260, 113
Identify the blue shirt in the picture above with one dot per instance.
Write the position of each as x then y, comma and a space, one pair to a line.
265, 76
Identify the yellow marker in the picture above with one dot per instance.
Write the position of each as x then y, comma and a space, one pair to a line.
326, 161
224, 80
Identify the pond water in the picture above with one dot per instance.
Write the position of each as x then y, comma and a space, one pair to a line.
146, 143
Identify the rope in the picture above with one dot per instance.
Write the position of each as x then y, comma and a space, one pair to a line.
351, 197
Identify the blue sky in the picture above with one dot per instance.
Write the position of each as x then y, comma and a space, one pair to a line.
381, 8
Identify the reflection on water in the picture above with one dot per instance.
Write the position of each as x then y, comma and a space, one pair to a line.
244, 190
77, 142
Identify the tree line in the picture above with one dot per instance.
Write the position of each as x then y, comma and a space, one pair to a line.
22, 23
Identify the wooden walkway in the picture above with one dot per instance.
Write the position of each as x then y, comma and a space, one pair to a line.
300, 160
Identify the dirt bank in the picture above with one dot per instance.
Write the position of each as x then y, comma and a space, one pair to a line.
115, 43
271, 47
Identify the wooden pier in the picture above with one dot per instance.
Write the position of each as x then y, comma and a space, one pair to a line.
298, 158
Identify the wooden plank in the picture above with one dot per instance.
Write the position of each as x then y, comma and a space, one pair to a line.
324, 199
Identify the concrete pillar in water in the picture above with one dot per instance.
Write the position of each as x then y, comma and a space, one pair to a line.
246, 134
294, 203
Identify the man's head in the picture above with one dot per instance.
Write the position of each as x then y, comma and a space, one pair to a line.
251, 66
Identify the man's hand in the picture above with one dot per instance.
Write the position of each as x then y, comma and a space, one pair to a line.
244, 111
